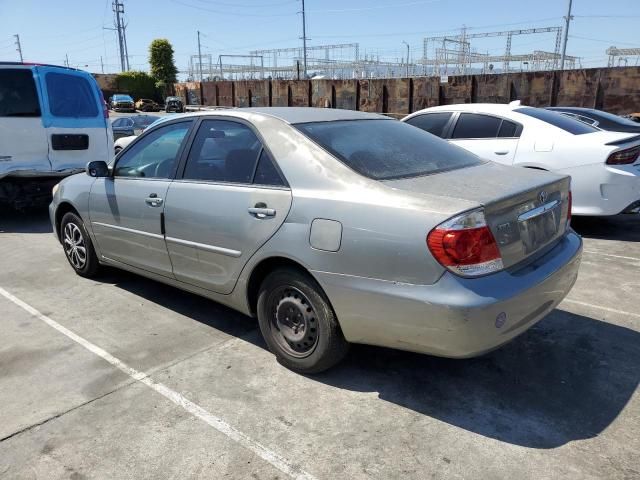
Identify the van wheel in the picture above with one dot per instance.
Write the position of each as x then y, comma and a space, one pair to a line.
77, 246
298, 323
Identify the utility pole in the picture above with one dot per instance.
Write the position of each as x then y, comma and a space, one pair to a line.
568, 19
101, 64
304, 40
66, 61
19, 49
408, 54
118, 8
199, 56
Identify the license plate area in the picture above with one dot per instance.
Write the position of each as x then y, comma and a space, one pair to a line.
539, 226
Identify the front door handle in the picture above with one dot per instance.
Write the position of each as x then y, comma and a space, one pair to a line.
153, 200
501, 152
260, 210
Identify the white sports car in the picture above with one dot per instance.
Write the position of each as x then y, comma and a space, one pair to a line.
604, 166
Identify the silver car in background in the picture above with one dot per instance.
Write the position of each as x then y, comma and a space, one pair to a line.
330, 226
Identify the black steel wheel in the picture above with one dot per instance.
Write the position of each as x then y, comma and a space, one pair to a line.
77, 246
298, 322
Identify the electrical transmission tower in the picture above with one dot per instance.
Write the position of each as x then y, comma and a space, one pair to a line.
118, 9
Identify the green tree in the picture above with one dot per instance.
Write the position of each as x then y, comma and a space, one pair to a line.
163, 67
137, 84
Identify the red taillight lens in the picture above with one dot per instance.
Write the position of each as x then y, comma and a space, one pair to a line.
105, 109
624, 157
465, 245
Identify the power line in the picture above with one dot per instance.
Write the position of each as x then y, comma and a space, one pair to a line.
236, 14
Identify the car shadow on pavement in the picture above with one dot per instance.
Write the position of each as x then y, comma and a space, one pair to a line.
566, 379
620, 227
190, 305
32, 220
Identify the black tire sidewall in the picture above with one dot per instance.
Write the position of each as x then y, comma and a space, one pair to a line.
331, 346
91, 265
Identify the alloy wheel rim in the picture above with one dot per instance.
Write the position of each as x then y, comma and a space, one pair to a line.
74, 246
293, 321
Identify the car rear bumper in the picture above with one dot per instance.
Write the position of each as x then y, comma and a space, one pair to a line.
455, 317
604, 190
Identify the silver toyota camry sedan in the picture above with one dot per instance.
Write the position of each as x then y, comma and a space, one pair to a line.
331, 227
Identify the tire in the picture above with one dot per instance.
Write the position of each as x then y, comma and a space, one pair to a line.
310, 341
75, 239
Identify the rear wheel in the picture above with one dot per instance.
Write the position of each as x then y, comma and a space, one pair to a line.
77, 246
298, 323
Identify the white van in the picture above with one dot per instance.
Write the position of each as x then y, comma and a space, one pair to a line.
53, 120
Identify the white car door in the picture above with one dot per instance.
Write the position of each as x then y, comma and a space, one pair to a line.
490, 137
74, 118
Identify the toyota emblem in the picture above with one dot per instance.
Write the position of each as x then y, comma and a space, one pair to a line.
543, 196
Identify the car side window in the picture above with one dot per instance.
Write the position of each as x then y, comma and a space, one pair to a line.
433, 123
266, 172
473, 125
223, 151
118, 123
508, 129
155, 154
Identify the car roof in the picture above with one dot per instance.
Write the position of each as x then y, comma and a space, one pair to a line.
573, 109
293, 115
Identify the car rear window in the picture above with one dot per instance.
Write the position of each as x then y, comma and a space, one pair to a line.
71, 96
387, 149
18, 95
573, 126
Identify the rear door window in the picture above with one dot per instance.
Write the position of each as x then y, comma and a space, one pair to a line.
18, 94
473, 125
71, 96
223, 151
433, 123
508, 129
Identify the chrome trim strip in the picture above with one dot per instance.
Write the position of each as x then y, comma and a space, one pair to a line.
536, 212
202, 246
130, 230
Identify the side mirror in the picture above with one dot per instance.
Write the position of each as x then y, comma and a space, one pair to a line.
98, 169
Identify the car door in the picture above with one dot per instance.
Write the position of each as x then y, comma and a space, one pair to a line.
126, 209
490, 137
229, 201
23, 143
74, 118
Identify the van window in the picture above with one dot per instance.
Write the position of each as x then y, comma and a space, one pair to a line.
71, 96
18, 95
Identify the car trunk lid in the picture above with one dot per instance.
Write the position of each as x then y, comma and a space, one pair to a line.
525, 209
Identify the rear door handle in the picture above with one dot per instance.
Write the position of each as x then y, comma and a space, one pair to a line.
262, 212
501, 152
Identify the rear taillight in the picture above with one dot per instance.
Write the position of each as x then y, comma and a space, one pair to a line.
570, 201
465, 245
624, 157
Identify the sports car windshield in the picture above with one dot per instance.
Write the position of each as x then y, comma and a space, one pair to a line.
387, 149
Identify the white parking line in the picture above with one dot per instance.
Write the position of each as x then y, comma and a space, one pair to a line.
592, 252
219, 424
606, 309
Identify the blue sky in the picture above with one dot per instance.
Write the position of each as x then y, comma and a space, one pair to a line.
49, 30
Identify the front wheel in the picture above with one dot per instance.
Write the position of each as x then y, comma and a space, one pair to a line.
298, 323
77, 246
